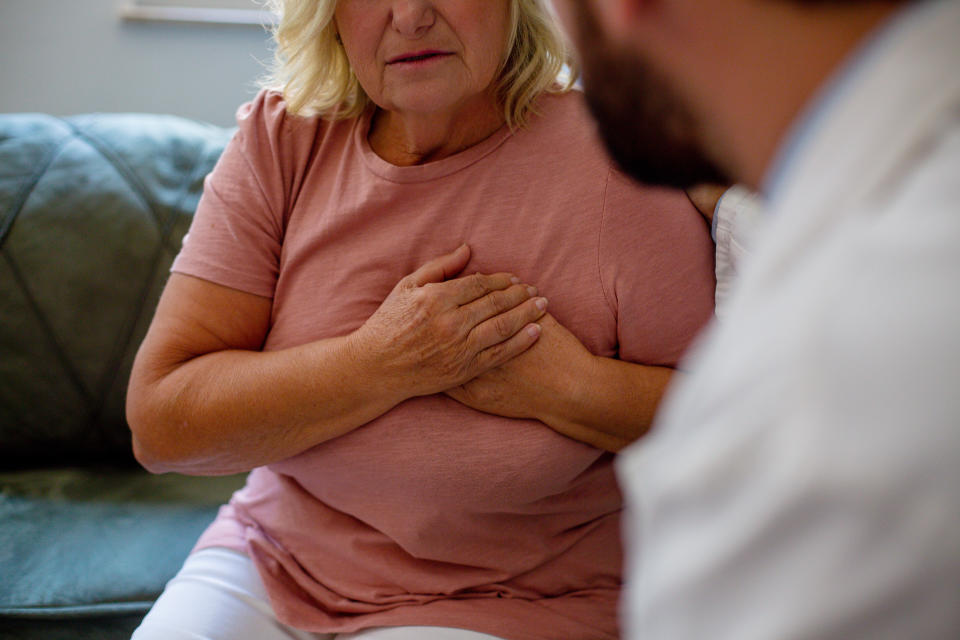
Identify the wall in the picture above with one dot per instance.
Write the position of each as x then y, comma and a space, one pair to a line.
78, 56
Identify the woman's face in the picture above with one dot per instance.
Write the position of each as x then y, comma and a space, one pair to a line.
424, 56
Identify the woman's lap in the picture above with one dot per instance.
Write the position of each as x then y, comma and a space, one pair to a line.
217, 595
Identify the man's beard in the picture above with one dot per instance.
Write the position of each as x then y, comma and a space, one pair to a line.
646, 127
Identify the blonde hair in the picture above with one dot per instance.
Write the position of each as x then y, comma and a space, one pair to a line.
312, 71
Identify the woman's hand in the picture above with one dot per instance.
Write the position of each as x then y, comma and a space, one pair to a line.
528, 385
603, 402
433, 332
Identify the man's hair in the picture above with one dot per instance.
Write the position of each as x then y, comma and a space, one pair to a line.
312, 71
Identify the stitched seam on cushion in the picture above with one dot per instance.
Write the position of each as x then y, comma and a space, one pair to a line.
24, 195
47, 328
98, 398
51, 335
122, 168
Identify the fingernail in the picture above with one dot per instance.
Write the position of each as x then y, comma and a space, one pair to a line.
541, 303
515, 280
533, 330
531, 290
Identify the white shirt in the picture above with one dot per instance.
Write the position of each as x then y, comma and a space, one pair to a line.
805, 481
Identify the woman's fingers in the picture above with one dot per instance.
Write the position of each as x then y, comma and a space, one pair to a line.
507, 350
474, 287
442, 267
438, 275
501, 327
495, 302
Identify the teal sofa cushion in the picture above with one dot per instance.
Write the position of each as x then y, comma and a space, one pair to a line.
92, 212
96, 545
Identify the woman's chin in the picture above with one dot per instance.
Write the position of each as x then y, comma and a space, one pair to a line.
426, 104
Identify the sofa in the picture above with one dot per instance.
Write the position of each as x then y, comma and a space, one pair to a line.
92, 212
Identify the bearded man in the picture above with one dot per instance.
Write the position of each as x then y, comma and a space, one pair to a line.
804, 481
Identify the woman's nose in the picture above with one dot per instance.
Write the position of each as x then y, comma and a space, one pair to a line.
413, 18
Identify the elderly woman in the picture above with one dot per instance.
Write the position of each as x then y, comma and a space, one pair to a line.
430, 451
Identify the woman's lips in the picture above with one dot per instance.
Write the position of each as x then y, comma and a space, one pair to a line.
417, 56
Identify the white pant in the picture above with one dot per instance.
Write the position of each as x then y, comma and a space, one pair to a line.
218, 595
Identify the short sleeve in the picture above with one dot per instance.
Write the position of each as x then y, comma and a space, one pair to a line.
237, 231
657, 270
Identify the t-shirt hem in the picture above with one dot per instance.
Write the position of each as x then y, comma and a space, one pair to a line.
507, 618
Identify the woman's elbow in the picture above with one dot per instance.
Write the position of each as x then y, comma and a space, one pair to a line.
152, 448
148, 457
157, 439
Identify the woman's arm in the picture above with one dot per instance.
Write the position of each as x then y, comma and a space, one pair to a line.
603, 402
203, 399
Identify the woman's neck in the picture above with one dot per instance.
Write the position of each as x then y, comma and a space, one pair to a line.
406, 139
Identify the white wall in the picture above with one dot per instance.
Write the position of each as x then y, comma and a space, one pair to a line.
77, 56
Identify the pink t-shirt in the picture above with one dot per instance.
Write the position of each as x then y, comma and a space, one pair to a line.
436, 514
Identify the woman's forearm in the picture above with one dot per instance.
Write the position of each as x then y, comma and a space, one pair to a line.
603, 402
609, 405
233, 410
